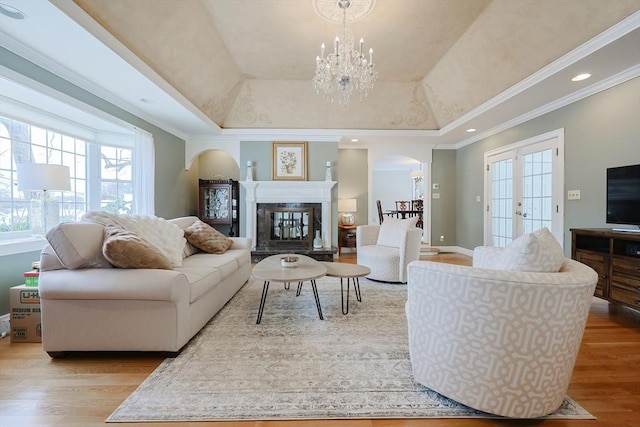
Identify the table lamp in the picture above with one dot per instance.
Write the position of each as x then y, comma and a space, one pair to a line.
347, 206
43, 177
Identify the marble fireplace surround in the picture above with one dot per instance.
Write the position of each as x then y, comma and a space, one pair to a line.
287, 192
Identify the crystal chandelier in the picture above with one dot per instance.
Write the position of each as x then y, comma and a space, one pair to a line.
346, 68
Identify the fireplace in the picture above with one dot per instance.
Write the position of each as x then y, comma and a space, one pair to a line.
287, 225
296, 210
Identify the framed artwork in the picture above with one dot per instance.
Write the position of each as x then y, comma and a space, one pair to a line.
289, 161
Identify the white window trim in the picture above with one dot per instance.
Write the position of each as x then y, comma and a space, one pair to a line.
17, 110
22, 245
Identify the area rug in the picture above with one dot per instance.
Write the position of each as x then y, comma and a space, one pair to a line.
295, 366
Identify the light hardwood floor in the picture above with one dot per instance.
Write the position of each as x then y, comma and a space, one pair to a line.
82, 390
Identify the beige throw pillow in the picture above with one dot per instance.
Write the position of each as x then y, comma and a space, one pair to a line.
125, 249
78, 245
207, 238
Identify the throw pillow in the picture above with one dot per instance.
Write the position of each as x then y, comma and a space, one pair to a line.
552, 256
166, 236
392, 231
125, 249
189, 250
207, 238
534, 252
78, 245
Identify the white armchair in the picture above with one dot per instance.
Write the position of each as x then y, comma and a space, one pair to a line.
503, 342
387, 249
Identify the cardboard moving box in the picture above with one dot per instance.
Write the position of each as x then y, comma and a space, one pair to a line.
25, 314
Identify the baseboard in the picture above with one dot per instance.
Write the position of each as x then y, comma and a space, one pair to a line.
455, 249
4, 325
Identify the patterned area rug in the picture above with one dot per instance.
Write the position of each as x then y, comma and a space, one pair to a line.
295, 366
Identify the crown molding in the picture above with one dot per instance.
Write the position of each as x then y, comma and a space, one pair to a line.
600, 86
610, 35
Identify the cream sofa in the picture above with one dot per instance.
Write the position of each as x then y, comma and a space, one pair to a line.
115, 309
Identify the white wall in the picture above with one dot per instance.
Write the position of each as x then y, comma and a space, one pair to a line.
389, 186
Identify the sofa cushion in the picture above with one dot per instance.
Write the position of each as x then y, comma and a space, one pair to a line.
207, 238
125, 249
78, 245
226, 263
392, 231
534, 252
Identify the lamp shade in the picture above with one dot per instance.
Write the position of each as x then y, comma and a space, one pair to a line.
347, 205
40, 176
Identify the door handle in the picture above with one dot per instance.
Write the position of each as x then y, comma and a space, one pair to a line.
524, 215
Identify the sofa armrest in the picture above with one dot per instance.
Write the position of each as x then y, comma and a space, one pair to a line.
241, 243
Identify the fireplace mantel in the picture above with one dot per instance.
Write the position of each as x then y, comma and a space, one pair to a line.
288, 192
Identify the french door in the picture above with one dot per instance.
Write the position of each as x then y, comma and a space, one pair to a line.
524, 184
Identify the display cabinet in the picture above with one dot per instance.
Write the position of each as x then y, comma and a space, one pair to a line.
220, 205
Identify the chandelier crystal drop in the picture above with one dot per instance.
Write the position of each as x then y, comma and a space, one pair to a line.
346, 67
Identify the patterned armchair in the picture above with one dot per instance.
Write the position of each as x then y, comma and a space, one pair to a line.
503, 342
388, 248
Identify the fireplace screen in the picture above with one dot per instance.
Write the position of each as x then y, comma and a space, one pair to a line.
288, 225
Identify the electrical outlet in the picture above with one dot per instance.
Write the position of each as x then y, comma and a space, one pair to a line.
436, 186
573, 195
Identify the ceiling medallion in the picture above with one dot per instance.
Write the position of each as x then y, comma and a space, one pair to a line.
356, 10
346, 68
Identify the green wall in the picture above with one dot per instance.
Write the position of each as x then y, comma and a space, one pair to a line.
172, 182
601, 131
443, 210
353, 170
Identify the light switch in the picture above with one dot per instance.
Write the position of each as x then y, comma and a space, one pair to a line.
573, 195
435, 195
478, 199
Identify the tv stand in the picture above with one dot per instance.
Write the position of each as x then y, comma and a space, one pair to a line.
627, 230
615, 256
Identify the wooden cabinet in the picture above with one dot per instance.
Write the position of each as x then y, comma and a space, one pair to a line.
615, 256
346, 237
220, 205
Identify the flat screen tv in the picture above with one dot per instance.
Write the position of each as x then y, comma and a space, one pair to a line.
623, 195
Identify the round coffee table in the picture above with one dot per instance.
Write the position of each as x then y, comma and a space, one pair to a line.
270, 269
351, 272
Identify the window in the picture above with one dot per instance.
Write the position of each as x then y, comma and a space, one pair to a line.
101, 177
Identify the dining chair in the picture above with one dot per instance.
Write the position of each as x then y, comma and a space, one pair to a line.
380, 214
402, 205
417, 207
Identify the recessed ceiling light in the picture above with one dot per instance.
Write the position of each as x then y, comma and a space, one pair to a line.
11, 12
581, 77
147, 100
354, 139
471, 130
